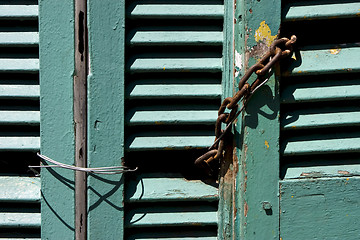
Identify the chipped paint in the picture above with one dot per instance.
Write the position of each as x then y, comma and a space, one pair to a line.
263, 34
246, 208
343, 172
267, 144
335, 51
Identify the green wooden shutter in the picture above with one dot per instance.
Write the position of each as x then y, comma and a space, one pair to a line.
174, 70
19, 120
320, 122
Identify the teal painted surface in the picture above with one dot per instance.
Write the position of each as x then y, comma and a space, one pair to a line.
176, 142
341, 89
18, 11
23, 220
142, 65
163, 188
19, 65
258, 130
57, 129
19, 117
321, 144
19, 143
177, 11
171, 216
19, 189
320, 209
141, 237
305, 120
337, 60
161, 89
331, 170
295, 11
12, 39
19, 92
172, 117
177, 38
106, 117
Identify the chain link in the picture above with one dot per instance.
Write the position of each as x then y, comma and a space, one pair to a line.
279, 49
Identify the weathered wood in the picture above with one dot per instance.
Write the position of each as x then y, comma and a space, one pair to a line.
148, 188
331, 202
80, 117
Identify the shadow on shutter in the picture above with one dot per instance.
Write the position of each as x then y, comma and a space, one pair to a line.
19, 119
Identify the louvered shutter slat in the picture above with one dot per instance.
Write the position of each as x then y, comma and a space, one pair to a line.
20, 144
177, 38
173, 117
19, 118
318, 120
176, 65
19, 65
203, 91
175, 188
319, 10
22, 12
181, 11
19, 91
23, 220
19, 38
171, 217
323, 91
19, 189
325, 61
170, 142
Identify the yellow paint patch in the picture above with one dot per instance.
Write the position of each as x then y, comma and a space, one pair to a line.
164, 68
335, 51
263, 34
159, 123
293, 126
292, 196
267, 144
293, 57
347, 179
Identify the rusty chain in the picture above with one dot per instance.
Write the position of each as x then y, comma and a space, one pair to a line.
279, 49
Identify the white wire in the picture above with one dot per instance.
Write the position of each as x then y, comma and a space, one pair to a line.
98, 170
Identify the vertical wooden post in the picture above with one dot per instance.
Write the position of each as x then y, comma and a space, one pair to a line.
57, 119
257, 25
106, 23
80, 118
